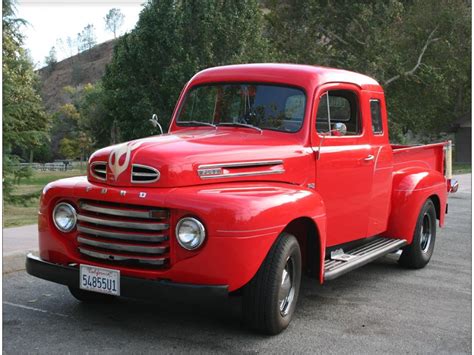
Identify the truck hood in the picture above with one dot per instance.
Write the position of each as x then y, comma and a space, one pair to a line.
203, 156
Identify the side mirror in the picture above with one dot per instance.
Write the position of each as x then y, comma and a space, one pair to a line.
339, 129
155, 123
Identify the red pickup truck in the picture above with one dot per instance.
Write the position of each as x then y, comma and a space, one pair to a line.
268, 171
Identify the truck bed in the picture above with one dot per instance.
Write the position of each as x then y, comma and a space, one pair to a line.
429, 156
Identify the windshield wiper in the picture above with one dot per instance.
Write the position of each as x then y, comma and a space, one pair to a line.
195, 123
238, 124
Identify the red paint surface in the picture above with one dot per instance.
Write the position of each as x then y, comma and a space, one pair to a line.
352, 199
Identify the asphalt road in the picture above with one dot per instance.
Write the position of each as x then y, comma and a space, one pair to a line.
380, 308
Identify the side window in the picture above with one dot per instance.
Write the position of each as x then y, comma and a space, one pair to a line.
338, 114
376, 115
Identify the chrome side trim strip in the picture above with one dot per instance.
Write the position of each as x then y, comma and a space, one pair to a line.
248, 173
114, 257
123, 224
116, 212
91, 169
123, 247
136, 237
244, 164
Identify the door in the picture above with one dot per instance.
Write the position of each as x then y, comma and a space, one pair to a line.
379, 210
344, 165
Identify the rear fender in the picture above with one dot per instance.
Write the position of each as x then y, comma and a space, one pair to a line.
411, 188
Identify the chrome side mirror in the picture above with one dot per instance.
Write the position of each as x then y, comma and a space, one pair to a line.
453, 185
340, 128
155, 123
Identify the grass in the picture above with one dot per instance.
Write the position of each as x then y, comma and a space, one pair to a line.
27, 194
461, 168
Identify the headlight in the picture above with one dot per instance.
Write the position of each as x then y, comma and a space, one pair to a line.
64, 217
190, 233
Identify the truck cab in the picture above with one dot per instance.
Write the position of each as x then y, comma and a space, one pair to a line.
268, 171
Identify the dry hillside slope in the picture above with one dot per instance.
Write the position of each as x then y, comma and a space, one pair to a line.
78, 70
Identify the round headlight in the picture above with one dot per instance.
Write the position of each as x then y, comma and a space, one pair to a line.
190, 233
64, 217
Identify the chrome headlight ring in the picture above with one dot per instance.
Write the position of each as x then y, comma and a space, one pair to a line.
64, 217
190, 233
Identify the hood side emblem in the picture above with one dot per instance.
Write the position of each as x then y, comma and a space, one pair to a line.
117, 153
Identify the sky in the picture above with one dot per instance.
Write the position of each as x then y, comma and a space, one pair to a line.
50, 20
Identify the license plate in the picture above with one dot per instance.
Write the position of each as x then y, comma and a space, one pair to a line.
99, 279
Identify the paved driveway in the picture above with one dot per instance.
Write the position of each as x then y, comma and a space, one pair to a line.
380, 308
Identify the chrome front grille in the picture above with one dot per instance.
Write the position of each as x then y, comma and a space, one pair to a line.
144, 174
99, 170
123, 234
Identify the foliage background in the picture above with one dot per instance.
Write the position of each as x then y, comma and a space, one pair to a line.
419, 50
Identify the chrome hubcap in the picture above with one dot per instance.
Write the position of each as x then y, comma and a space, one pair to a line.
286, 293
425, 233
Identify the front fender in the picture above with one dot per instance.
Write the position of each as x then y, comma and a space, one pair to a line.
411, 188
255, 212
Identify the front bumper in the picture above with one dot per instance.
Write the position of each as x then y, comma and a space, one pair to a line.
129, 286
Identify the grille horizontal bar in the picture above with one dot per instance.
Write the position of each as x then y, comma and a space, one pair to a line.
123, 258
123, 224
131, 236
122, 212
123, 247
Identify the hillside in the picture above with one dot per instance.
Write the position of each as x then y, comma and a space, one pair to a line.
78, 70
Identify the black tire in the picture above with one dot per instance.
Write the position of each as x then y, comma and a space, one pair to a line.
90, 297
268, 303
418, 253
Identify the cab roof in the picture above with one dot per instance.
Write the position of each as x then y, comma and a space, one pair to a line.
306, 76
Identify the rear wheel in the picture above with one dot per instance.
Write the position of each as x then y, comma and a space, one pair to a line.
90, 297
269, 299
418, 253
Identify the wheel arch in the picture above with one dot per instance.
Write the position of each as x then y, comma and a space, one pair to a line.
307, 233
437, 203
411, 189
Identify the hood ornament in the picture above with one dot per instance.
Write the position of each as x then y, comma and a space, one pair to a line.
116, 155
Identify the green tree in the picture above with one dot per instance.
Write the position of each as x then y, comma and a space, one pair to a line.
94, 115
418, 50
25, 123
77, 122
171, 42
86, 39
51, 59
114, 20
69, 148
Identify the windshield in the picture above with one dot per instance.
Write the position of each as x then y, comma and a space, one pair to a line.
248, 105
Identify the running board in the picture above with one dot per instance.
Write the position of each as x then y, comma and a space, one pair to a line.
341, 262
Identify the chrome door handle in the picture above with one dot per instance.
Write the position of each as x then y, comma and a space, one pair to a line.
369, 158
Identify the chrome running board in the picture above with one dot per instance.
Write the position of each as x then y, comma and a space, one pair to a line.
341, 261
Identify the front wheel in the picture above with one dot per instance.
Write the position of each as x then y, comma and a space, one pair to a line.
418, 253
269, 299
